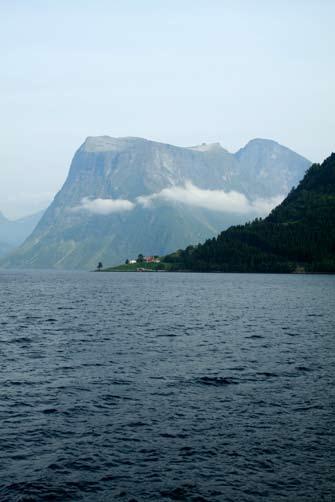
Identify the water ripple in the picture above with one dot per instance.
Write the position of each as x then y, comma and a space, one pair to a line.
149, 387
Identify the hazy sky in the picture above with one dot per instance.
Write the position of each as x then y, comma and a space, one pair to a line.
177, 71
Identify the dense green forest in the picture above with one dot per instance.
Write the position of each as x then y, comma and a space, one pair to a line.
297, 236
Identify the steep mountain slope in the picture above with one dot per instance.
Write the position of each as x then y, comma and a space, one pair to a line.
266, 165
298, 235
14, 232
125, 196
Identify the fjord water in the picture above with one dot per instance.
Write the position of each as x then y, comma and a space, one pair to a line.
167, 387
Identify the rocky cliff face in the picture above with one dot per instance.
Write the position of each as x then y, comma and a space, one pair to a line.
125, 196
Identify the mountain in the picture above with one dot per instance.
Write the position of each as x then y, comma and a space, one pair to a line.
14, 232
5, 248
265, 165
3, 219
297, 236
125, 196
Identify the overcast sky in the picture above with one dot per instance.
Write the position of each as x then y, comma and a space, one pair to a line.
177, 71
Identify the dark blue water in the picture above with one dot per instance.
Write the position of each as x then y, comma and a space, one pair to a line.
166, 387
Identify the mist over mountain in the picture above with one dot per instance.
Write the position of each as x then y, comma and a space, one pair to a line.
125, 196
14, 232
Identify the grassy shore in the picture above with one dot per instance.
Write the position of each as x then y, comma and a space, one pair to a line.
154, 267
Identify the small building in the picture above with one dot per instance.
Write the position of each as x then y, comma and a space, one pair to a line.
131, 262
151, 259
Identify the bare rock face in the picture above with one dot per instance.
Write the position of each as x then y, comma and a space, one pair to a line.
125, 196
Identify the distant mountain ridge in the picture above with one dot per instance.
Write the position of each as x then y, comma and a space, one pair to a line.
297, 236
3, 219
14, 232
125, 196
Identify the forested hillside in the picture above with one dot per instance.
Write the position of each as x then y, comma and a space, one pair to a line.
297, 236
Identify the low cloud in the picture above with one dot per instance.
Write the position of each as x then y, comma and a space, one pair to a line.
190, 195
104, 206
265, 206
213, 200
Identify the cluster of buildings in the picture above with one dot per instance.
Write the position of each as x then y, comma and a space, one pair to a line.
146, 259
151, 259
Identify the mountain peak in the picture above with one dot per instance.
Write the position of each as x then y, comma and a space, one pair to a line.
107, 143
257, 144
260, 148
264, 144
206, 147
265, 141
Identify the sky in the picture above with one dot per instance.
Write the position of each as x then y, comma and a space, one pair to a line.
177, 71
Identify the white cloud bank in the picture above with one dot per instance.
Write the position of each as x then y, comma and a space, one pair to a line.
213, 200
189, 194
104, 206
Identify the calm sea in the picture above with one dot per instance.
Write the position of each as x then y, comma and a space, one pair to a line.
160, 387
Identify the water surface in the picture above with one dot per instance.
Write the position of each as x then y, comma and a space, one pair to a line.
196, 387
